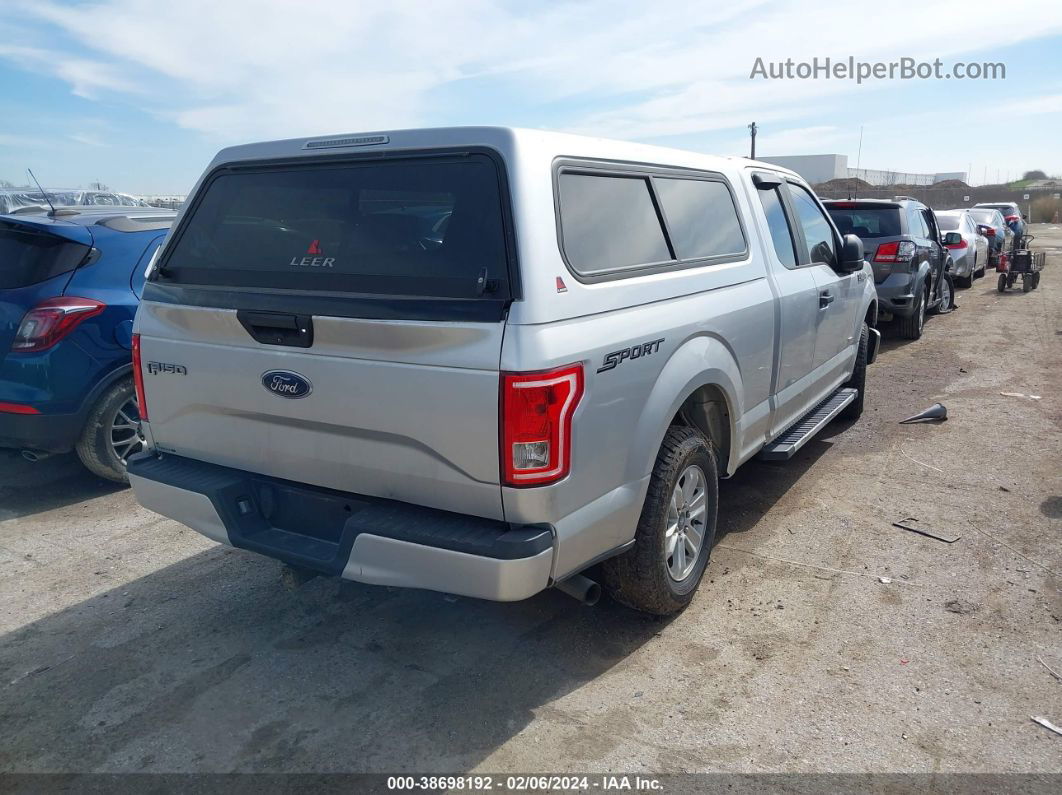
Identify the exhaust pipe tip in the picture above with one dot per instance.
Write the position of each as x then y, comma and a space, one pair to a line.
33, 456
581, 588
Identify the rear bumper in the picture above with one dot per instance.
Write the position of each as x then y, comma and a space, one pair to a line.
50, 433
963, 266
896, 294
62, 389
370, 540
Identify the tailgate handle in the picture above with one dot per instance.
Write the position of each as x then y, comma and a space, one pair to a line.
278, 328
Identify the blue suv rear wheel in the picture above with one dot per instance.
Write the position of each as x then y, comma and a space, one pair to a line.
112, 433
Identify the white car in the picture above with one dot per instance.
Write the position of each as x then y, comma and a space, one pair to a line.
968, 247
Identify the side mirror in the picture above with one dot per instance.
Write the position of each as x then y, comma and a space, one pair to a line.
952, 239
851, 254
1025, 218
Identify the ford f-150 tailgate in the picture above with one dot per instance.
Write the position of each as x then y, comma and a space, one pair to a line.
337, 323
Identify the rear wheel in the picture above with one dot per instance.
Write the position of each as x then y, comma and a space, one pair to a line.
112, 433
1026, 283
911, 327
947, 295
661, 572
1001, 282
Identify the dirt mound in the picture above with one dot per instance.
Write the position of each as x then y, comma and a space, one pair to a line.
849, 183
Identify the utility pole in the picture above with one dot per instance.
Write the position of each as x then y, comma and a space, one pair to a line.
859, 152
752, 133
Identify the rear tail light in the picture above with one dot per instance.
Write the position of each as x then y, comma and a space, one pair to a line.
1010, 218
536, 424
896, 251
961, 244
990, 232
17, 408
138, 379
51, 320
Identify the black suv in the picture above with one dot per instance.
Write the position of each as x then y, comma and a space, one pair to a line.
912, 267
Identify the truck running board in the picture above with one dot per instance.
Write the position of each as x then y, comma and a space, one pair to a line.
786, 445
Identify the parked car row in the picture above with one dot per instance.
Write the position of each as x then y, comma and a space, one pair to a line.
919, 255
15, 200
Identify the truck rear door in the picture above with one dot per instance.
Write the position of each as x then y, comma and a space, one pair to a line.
337, 323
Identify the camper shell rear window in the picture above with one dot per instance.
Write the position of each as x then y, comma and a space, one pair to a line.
424, 227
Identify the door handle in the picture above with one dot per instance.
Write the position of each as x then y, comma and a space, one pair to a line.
277, 328
825, 299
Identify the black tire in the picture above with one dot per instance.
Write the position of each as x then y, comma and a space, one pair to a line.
854, 410
946, 302
911, 326
95, 448
1026, 283
1036, 280
1001, 282
640, 577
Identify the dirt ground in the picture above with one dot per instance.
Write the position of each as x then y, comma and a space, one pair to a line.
822, 639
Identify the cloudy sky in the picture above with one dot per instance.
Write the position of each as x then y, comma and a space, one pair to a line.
140, 94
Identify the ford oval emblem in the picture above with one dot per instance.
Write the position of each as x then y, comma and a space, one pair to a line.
286, 384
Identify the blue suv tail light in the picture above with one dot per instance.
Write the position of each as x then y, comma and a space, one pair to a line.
49, 321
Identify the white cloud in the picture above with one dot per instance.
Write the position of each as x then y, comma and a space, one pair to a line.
801, 140
240, 70
85, 139
21, 141
1050, 103
86, 77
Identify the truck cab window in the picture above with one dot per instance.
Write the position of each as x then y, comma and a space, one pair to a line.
777, 222
817, 230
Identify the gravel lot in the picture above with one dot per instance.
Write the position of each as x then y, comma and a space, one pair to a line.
823, 638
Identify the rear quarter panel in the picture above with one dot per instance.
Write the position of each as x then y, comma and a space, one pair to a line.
715, 325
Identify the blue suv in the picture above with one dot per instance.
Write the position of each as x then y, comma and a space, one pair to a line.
70, 283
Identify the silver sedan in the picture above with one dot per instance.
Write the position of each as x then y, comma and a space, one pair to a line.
968, 247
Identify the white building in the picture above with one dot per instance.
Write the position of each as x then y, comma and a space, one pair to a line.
822, 168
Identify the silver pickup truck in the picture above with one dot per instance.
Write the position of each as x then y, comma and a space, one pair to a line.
482, 360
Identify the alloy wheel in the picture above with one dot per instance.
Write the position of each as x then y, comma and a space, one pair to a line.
945, 296
686, 518
126, 438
